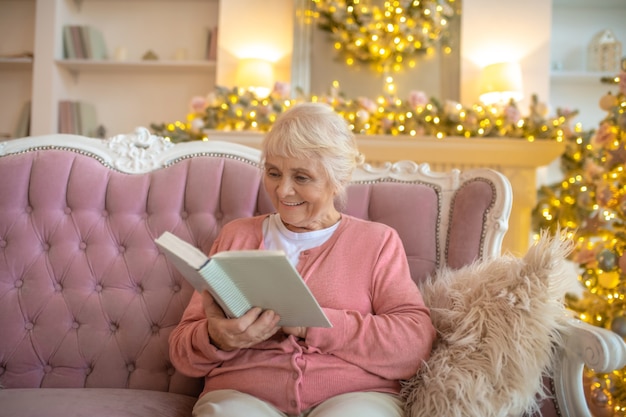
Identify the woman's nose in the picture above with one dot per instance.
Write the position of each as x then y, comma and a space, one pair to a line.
285, 187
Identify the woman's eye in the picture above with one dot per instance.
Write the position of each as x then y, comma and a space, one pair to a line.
301, 178
272, 174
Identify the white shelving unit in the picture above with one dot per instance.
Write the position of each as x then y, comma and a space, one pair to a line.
574, 23
126, 93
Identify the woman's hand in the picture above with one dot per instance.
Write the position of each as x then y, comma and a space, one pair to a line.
296, 331
229, 334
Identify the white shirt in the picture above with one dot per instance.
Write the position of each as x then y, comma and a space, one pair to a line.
276, 236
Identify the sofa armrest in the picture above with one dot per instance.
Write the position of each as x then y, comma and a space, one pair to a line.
584, 345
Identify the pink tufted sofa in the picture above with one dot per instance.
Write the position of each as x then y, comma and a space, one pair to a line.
87, 302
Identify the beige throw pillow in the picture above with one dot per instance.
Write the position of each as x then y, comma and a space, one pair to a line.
497, 321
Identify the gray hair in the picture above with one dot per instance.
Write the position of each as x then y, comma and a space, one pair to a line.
316, 131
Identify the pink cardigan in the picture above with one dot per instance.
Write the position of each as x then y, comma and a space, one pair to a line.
381, 328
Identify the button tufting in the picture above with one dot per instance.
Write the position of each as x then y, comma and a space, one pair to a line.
105, 213
82, 246
176, 288
3, 243
46, 247
2, 369
47, 369
88, 370
98, 288
28, 209
130, 367
171, 371
113, 327
18, 283
67, 210
219, 215
29, 326
139, 289
184, 214
58, 287
75, 325
155, 328
121, 248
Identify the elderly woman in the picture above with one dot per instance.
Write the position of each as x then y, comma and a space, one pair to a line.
356, 269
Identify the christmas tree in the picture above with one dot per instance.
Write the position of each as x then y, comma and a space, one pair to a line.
590, 201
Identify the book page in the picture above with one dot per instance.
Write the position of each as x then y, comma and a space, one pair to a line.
224, 290
269, 281
178, 247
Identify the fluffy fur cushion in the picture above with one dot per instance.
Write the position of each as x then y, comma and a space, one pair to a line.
497, 320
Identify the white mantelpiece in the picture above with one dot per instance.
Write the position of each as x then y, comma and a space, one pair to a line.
518, 159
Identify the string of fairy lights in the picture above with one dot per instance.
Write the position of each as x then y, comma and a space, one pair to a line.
390, 38
590, 201
235, 109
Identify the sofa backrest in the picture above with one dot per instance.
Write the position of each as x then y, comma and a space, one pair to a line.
87, 300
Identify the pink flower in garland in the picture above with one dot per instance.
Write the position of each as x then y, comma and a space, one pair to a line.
512, 113
281, 90
367, 104
198, 104
417, 99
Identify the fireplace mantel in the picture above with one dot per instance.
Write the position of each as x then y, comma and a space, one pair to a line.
518, 159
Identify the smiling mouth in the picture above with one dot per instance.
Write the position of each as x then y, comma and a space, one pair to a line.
292, 204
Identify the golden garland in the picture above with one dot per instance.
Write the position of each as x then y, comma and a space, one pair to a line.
390, 38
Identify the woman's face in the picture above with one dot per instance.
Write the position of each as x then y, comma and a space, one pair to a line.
301, 192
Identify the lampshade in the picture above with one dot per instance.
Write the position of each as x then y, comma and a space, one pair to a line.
501, 82
256, 75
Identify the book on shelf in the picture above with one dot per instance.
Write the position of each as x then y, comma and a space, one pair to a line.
94, 42
242, 279
83, 42
68, 44
23, 125
78, 118
211, 44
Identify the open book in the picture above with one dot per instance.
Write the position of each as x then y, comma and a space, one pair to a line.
240, 280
